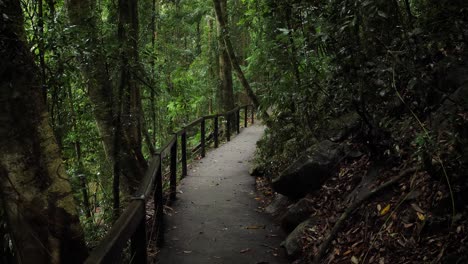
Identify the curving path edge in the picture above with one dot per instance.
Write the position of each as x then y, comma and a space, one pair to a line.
216, 218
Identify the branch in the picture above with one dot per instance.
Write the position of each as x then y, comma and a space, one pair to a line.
339, 224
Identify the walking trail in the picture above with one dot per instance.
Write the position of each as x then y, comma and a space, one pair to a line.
216, 218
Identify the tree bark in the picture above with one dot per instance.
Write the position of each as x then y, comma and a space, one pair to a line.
225, 89
93, 65
35, 189
132, 159
106, 104
232, 56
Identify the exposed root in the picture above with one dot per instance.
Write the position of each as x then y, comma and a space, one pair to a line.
339, 224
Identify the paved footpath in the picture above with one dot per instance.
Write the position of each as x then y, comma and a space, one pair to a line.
216, 218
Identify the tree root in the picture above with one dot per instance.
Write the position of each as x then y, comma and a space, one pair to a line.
339, 224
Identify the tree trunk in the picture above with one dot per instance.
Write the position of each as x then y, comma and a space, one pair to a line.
225, 90
35, 189
132, 159
40, 28
102, 94
93, 65
232, 56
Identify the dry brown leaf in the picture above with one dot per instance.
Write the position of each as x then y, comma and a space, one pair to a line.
417, 208
245, 250
408, 225
255, 227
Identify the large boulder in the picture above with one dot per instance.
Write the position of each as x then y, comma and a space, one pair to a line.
257, 170
296, 214
293, 243
310, 171
342, 127
278, 205
456, 103
449, 123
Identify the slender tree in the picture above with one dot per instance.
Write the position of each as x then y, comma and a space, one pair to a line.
36, 192
225, 89
230, 50
116, 113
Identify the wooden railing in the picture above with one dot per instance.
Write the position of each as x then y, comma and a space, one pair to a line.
131, 225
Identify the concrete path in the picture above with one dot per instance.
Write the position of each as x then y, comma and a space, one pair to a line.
216, 218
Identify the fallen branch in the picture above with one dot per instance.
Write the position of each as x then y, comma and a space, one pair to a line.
339, 224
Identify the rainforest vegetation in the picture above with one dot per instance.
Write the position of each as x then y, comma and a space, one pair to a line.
362, 93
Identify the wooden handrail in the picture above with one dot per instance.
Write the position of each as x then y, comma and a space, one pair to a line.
110, 247
147, 183
131, 225
167, 148
194, 123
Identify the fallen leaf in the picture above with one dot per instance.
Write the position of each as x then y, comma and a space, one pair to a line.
245, 250
354, 260
417, 208
385, 210
336, 251
187, 251
421, 216
255, 227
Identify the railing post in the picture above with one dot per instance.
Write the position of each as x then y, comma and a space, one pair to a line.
138, 241
183, 141
173, 168
216, 131
238, 120
245, 115
158, 205
202, 132
228, 127
253, 114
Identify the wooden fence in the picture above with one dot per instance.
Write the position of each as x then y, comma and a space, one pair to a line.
131, 225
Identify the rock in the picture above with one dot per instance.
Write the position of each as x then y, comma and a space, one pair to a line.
310, 171
293, 243
278, 205
445, 115
296, 214
257, 170
343, 126
450, 123
457, 76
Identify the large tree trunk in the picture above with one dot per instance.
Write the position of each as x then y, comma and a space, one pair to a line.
131, 157
232, 56
35, 189
93, 64
106, 104
225, 90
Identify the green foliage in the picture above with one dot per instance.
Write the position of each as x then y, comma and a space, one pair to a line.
316, 61
308, 61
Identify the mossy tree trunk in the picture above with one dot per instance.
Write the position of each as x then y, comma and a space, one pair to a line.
36, 192
225, 89
114, 114
220, 10
132, 161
